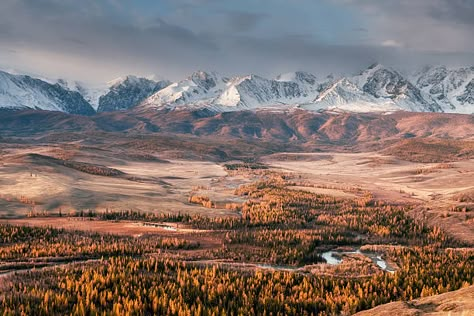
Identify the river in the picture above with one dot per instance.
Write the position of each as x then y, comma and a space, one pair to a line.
335, 258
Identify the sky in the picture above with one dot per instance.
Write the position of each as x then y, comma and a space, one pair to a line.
99, 40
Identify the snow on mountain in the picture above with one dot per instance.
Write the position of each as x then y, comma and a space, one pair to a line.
467, 97
251, 92
375, 89
298, 76
210, 90
378, 88
388, 85
308, 83
451, 89
344, 95
125, 93
91, 93
118, 94
22, 92
199, 89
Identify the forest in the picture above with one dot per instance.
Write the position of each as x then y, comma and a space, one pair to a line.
288, 230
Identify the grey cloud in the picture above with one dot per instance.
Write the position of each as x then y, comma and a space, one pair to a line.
454, 11
101, 34
423, 25
108, 44
105, 45
291, 52
360, 29
74, 41
177, 33
5, 29
244, 21
458, 11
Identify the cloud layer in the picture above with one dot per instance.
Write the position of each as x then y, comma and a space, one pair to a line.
99, 40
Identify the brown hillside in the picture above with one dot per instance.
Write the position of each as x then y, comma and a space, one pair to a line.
460, 302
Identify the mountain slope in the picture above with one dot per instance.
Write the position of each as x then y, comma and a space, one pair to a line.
252, 92
451, 89
377, 88
119, 94
198, 89
344, 95
292, 127
90, 93
388, 85
21, 92
126, 93
460, 302
209, 90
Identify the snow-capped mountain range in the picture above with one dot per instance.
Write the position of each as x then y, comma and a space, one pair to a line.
119, 94
376, 89
22, 92
452, 90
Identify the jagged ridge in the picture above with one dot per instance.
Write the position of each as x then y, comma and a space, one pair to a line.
376, 89
19, 92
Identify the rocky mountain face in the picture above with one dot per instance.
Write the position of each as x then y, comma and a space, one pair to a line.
128, 92
451, 89
221, 94
90, 94
344, 95
201, 88
468, 95
74, 97
388, 85
252, 91
376, 89
23, 92
119, 94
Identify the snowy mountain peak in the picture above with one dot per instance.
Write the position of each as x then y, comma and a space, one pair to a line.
375, 66
345, 95
377, 88
22, 92
254, 91
298, 76
126, 92
372, 70
206, 80
450, 88
128, 80
199, 88
389, 85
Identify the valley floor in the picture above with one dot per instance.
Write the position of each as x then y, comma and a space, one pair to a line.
323, 233
436, 192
